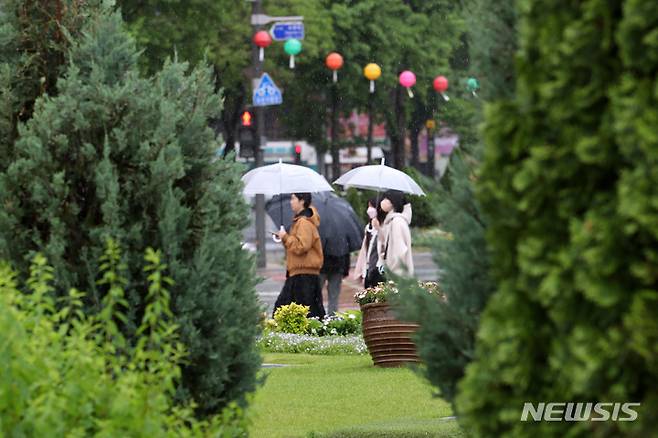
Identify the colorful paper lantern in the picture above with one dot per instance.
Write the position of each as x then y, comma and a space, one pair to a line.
372, 72
334, 62
473, 85
441, 85
262, 39
408, 80
292, 47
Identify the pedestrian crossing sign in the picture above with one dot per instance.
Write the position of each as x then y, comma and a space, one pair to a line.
266, 92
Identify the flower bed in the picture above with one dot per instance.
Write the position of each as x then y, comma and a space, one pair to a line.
291, 331
293, 319
275, 342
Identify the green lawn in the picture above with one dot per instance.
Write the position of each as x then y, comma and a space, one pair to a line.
345, 396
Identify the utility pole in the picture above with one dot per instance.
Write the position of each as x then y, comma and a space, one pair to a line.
431, 129
256, 10
370, 126
335, 153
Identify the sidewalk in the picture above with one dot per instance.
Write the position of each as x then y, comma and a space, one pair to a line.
274, 275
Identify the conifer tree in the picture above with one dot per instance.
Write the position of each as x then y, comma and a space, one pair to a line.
106, 152
446, 338
568, 185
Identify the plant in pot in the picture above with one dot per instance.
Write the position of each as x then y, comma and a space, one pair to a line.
387, 338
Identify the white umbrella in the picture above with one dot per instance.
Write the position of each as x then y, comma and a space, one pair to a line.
379, 177
280, 178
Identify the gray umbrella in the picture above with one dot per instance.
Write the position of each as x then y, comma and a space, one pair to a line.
341, 231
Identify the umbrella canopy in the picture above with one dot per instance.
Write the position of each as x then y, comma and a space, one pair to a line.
341, 231
283, 178
379, 177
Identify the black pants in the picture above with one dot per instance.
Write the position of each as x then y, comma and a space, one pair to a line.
373, 278
305, 290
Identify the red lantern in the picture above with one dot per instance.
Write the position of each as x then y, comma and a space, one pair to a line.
441, 85
334, 62
262, 39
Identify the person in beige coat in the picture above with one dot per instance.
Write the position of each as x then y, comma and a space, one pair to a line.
394, 240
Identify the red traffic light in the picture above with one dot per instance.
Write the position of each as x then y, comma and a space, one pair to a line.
247, 118
298, 149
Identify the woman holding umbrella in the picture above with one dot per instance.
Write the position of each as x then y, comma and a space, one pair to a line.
394, 237
304, 257
303, 246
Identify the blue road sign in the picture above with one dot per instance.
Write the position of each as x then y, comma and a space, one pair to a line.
267, 93
286, 31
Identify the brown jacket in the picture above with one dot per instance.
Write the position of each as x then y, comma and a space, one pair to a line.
303, 245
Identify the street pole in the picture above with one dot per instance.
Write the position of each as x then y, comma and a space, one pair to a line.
370, 125
335, 154
430, 151
256, 9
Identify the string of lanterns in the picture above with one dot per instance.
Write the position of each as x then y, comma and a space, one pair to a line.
407, 78
372, 71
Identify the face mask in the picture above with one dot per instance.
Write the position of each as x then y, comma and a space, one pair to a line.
372, 212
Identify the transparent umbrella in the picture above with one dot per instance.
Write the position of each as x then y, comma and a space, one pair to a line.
280, 178
380, 177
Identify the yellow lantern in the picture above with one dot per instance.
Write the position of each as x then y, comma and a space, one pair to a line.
372, 72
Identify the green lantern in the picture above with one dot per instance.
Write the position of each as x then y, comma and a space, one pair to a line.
473, 85
292, 48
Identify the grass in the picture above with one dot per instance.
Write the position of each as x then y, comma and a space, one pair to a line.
346, 396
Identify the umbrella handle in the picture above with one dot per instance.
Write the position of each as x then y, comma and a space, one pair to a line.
275, 238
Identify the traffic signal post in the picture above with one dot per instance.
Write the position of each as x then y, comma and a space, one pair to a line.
259, 143
294, 29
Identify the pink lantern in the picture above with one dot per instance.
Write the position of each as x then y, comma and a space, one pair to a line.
408, 80
441, 85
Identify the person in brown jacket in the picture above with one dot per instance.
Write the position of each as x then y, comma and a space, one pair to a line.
304, 257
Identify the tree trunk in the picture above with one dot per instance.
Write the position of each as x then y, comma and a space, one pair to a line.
415, 132
320, 156
231, 118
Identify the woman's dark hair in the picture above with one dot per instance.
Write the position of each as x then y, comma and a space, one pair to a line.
381, 214
305, 197
397, 199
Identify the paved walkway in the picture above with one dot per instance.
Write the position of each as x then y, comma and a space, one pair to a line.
274, 275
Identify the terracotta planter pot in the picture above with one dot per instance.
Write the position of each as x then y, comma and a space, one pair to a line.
388, 339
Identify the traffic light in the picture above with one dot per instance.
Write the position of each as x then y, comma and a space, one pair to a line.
298, 154
247, 118
248, 134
